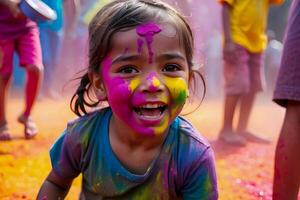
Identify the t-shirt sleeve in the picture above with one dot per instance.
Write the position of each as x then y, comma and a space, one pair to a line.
65, 156
201, 181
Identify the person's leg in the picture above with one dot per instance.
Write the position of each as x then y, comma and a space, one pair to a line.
246, 106
247, 100
33, 79
236, 83
287, 157
6, 59
227, 133
4, 85
29, 50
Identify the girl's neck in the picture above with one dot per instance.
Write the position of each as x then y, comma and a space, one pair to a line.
126, 136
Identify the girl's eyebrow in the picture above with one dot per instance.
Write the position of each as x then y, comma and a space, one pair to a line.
169, 56
125, 57
133, 57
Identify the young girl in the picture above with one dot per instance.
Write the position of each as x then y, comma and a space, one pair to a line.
140, 62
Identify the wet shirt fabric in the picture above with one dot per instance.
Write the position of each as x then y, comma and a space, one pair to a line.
12, 27
248, 20
184, 169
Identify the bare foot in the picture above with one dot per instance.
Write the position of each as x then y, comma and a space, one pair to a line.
30, 128
4, 132
253, 138
232, 138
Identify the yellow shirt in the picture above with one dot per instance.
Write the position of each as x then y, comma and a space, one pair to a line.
248, 21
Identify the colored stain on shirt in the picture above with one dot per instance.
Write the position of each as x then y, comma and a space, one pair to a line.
184, 168
148, 30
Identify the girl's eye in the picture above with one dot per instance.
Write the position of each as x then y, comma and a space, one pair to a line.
128, 70
171, 68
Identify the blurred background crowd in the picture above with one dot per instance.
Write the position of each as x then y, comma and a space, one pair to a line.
64, 43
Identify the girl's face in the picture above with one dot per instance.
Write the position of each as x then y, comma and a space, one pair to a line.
145, 76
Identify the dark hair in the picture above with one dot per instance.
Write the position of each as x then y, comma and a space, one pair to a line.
123, 15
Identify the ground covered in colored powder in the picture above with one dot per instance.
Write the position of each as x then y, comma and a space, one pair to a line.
243, 173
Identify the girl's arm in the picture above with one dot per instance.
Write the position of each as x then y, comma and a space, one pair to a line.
54, 187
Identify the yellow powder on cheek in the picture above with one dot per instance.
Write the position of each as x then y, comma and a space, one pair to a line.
134, 84
178, 89
179, 92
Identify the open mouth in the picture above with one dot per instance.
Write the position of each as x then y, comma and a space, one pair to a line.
150, 110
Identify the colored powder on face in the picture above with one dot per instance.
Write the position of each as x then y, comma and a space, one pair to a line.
179, 92
154, 82
122, 96
148, 30
178, 88
162, 128
140, 43
134, 84
181, 97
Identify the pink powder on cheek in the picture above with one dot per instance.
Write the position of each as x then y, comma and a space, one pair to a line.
121, 99
138, 99
117, 88
148, 30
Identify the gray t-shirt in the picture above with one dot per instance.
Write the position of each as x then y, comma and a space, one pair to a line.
184, 168
288, 81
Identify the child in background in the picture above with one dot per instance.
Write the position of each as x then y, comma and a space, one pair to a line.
140, 54
18, 34
244, 25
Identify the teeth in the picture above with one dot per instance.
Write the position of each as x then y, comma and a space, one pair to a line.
151, 106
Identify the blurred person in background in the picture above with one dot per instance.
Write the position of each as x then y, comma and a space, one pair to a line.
213, 64
50, 36
273, 54
244, 25
287, 94
21, 35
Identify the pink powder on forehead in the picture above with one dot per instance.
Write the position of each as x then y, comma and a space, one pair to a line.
140, 43
148, 30
145, 29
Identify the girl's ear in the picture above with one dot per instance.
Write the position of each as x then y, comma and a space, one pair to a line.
97, 86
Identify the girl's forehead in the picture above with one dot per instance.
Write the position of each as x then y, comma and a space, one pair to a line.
125, 38
165, 29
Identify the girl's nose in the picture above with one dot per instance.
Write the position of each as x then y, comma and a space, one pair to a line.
152, 83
